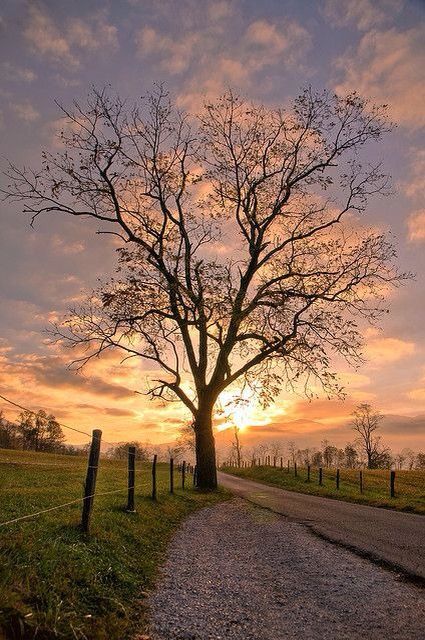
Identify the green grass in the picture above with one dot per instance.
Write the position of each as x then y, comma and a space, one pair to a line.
55, 582
409, 485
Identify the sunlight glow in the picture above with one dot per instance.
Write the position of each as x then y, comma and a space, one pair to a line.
243, 410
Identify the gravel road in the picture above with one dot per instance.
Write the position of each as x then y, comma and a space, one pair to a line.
382, 534
239, 572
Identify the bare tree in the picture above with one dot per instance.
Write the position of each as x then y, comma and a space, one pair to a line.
236, 445
399, 459
409, 456
293, 451
305, 455
262, 450
329, 452
276, 449
241, 259
366, 421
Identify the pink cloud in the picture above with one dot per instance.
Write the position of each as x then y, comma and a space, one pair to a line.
388, 66
175, 55
365, 14
416, 226
61, 44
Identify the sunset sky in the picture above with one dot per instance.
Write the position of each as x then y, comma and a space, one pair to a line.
268, 51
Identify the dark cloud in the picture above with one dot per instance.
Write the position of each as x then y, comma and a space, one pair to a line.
109, 411
400, 425
51, 371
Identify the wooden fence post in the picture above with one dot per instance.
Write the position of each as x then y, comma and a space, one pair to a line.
183, 473
337, 478
320, 476
392, 484
288, 466
90, 485
308, 473
171, 475
281, 463
131, 478
195, 475
361, 481
274, 461
154, 477
295, 470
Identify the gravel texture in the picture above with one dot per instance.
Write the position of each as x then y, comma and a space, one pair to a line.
236, 571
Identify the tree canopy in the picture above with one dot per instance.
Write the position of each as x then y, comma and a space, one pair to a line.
243, 259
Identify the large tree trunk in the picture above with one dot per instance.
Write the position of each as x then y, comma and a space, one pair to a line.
205, 450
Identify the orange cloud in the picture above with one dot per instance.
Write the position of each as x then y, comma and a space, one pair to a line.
384, 350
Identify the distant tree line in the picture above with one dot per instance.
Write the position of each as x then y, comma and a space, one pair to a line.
34, 432
349, 456
368, 449
182, 449
41, 431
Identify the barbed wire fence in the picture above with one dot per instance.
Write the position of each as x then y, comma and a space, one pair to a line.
93, 464
396, 481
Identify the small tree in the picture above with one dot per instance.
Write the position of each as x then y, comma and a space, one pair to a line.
120, 451
351, 456
339, 457
329, 452
317, 459
9, 437
40, 431
293, 451
262, 450
236, 445
186, 440
399, 459
420, 461
410, 457
52, 435
306, 455
276, 449
276, 188
366, 422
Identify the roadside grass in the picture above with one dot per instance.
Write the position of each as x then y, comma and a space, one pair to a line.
56, 582
409, 485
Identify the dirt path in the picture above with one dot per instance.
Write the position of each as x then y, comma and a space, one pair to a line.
236, 571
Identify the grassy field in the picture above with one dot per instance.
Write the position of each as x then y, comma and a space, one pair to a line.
409, 485
55, 582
